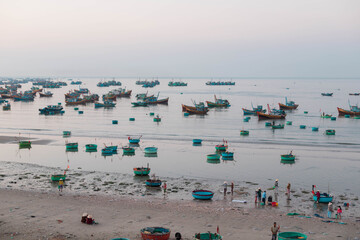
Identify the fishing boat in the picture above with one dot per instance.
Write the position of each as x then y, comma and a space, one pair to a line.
155, 233
291, 235
221, 147
58, 177
150, 150
139, 104
199, 109
279, 126
354, 94
227, 154
259, 108
203, 194
218, 103
91, 147
244, 132
91, 98
330, 132
24, 97
327, 94
7, 107
51, 110
109, 97
105, 104
207, 236
289, 105
302, 126
324, 198
71, 146
141, 96
197, 141
213, 156
82, 90
66, 133
120, 239
323, 115
354, 111
112, 148
75, 101
128, 150
314, 129
107, 151
177, 84
122, 92
71, 94
271, 115
219, 83
46, 94
288, 157
24, 144
134, 140
157, 118
141, 171
153, 182
156, 100
76, 82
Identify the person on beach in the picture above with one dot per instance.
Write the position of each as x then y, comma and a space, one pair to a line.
288, 191
264, 197
61, 185
164, 187
274, 230
232, 188
259, 195
317, 196
225, 188
330, 209
339, 212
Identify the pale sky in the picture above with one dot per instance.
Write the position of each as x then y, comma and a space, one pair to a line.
184, 38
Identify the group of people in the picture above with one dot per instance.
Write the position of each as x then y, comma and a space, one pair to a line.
260, 196
87, 219
331, 210
226, 186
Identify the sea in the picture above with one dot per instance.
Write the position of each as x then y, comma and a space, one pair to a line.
332, 163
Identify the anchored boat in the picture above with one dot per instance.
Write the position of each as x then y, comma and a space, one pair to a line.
203, 194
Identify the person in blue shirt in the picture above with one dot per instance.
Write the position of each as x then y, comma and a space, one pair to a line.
263, 197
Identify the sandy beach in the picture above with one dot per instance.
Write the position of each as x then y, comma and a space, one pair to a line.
35, 215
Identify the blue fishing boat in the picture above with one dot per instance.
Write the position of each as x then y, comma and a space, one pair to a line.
134, 140
150, 150
203, 194
113, 148
106, 104
51, 110
254, 110
91, 147
213, 156
324, 198
227, 154
314, 129
197, 141
107, 151
327, 94
153, 182
139, 104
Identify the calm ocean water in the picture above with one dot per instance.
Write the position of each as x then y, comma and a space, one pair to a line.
321, 160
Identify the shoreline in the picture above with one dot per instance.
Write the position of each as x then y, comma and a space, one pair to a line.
49, 216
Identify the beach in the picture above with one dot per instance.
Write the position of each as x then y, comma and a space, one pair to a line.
41, 215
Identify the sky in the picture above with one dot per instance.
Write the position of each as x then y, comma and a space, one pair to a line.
180, 38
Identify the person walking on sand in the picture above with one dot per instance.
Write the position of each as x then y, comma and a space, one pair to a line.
61, 185
276, 186
274, 231
232, 188
330, 209
339, 212
225, 188
288, 191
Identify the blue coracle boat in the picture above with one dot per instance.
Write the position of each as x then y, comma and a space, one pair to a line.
197, 141
153, 183
202, 194
227, 154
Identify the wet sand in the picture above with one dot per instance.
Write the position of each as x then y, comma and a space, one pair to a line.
34, 215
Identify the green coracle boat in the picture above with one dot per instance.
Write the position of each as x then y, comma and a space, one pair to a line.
289, 123
279, 126
91, 147
291, 235
244, 132
71, 146
24, 144
66, 133
288, 157
127, 150
213, 156
330, 132
58, 177
141, 171
207, 236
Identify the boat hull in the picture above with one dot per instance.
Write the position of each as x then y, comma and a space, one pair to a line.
343, 112
203, 194
323, 198
291, 235
153, 183
212, 104
208, 236
194, 110
286, 107
287, 157
141, 171
159, 233
270, 116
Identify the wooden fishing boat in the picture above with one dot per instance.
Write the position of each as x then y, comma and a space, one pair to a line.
156, 100
218, 103
105, 104
109, 97
207, 236
244, 132
155, 233
197, 141
91, 147
354, 94
128, 150
203, 194
327, 94
82, 90
271, 115
288, 157
122, 93
71, 94
150, 150
354, 111
46, 94
268, 124
289, 105
195, 110
213, 156
58, 177
324, 198
51, 110
75, 101
24, 144
259, 108
7, 107
153, 182
330, 132
141, 171
141, 96
139, 104
91, 98
279, 126
71, 146
291, 235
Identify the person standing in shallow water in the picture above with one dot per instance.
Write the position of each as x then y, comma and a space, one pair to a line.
232, 188
274, 231
225, 188
288, 191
